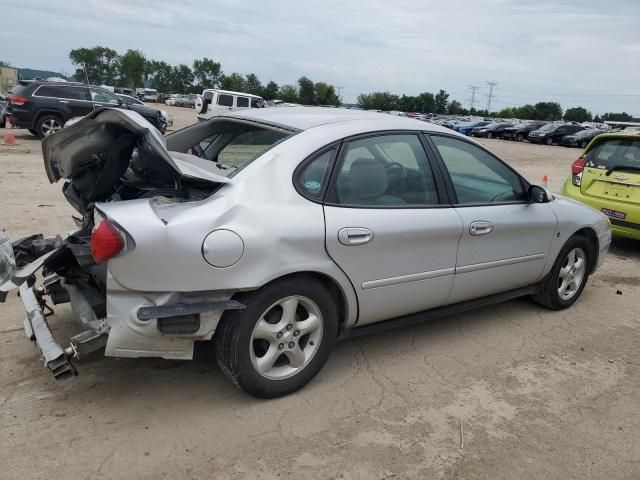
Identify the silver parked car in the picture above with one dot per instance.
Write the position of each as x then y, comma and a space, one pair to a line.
270, 233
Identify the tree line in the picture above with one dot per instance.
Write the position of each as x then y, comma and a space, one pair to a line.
439, 103
105, 66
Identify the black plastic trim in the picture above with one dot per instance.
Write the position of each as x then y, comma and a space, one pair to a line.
439, 312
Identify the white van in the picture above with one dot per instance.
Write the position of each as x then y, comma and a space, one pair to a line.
214, 101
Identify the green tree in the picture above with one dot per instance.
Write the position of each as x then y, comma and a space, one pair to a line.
306, 91
207, 73
617, 117
160, 75
525, 112
132, 69
235, 82
547, 111
181, 79
597, 119
507, 112
578, 114
455, 108
253, 85
378, 101
289, 94
426, 102
441, 101
270, 92
325, 94
98, 65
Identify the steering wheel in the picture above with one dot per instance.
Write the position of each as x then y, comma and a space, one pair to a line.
396, 170
197, 150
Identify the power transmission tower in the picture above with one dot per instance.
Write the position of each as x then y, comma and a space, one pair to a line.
491, 96
472, 100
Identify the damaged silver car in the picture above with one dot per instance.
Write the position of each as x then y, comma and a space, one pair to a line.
271, 233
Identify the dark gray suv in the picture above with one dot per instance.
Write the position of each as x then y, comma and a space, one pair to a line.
44, 107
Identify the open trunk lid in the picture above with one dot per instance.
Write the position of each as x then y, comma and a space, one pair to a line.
110, 147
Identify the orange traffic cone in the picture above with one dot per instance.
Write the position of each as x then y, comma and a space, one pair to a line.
9, 138
545, 181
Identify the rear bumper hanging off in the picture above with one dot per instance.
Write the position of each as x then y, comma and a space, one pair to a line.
37, 329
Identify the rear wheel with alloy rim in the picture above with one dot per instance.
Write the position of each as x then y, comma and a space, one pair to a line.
48, 125
549, 141
582, 144
489, 135
281, 340
566, 280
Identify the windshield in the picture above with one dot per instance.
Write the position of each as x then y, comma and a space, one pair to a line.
549, 127
615, 152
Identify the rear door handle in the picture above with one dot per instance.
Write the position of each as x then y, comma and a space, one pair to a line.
64, 101
355, 236
480, 227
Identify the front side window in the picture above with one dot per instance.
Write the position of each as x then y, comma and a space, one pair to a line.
225, 100
314, 176
477, 176
385, 171
242, 102
102, 96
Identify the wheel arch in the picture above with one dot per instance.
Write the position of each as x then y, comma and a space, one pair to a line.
346, 302
592, 238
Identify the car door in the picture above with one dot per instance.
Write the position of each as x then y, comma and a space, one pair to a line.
74, 100
505, 239
388, 227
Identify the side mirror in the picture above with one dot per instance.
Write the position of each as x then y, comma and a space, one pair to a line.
538, 194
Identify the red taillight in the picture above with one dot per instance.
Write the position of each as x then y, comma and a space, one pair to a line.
17, 100
106, 242
577, 166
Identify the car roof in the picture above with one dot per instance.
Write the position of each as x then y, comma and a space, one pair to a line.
231, 92
303, 118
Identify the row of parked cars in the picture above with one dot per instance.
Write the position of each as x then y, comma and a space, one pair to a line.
569, 134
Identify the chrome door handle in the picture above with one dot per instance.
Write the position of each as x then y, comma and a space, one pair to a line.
480, 227
355, 236
98, 105
64, 101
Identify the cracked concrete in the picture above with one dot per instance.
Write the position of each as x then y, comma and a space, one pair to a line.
541, 395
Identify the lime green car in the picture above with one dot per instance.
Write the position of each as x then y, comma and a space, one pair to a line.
607, 177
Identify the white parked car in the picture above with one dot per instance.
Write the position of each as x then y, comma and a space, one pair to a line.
271, 233
216, 101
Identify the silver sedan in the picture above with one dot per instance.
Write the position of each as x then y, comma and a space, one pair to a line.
271, 233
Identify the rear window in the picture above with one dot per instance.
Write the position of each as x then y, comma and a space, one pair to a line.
225, 100
47, 91
242, 102
614, 152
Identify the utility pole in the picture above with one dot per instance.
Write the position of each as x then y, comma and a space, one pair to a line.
472, 100
339, 92
491, 96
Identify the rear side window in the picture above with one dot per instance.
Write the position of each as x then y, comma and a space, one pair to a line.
312, 179
242, 102
47, 91
225, 100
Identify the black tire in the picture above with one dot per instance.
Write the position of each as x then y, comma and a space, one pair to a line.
43, 123
549, 296
232, 340
3, 122
549, 141
489, 135
582, 144
519, 138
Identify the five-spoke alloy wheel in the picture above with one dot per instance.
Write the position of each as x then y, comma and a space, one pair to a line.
281, 340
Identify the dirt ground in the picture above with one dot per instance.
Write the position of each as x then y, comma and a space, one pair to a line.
533, 394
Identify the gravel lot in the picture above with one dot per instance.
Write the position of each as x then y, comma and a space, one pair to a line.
537, 394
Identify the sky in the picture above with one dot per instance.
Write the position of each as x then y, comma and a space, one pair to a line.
578, 53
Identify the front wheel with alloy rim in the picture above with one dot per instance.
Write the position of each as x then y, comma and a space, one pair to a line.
566, 280
281, 340
48, 125
549, 141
